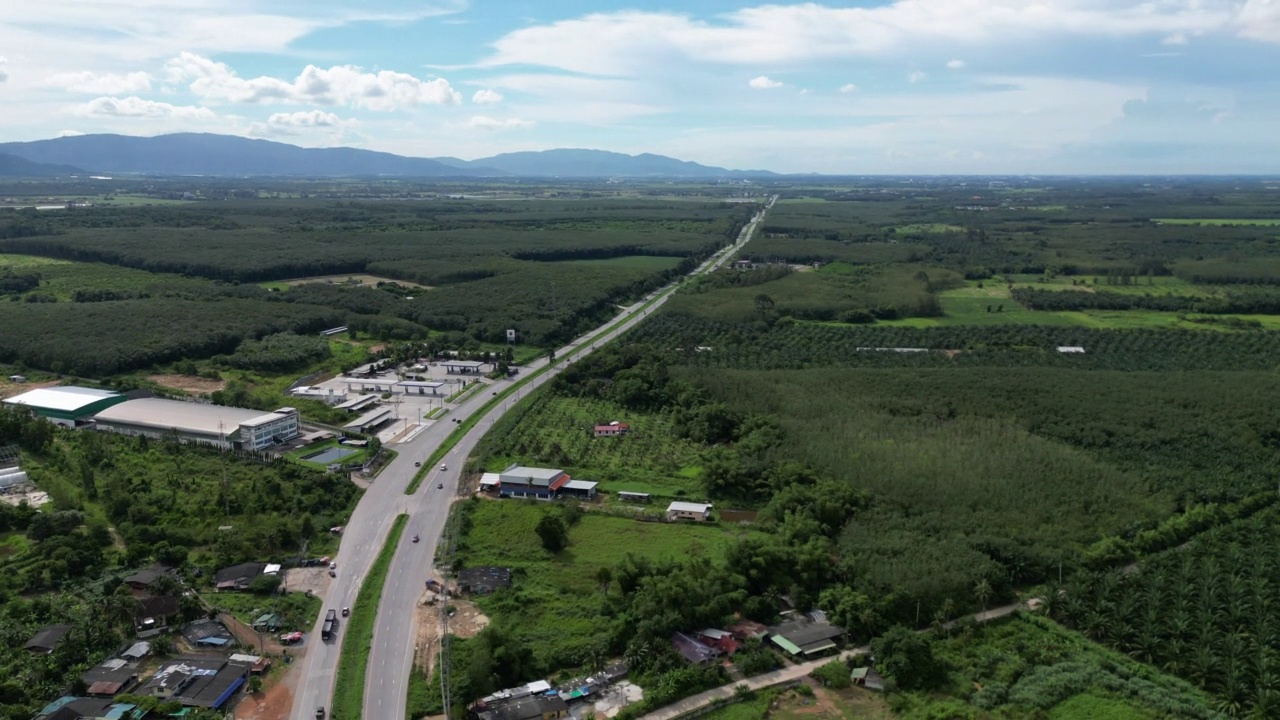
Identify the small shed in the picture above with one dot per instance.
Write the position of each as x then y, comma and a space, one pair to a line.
633, 496
613, 429
579, 488
489, 482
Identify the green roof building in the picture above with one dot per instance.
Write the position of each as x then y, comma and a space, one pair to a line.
68, 406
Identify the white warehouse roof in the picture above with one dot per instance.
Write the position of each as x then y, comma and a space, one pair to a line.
678, 506
532, 472
65, 399
193, 417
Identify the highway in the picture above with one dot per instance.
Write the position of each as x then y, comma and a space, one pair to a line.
391, 657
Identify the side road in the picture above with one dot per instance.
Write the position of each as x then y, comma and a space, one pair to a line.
683, 707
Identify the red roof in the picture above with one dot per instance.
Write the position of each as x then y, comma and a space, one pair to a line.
560, 481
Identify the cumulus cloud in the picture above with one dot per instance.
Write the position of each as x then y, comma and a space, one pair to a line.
69, 133
764, 83
92, 83
955, 64
135, 107
485, 122
848, 88
917, 76
1175, 39
616, 43
307, 119
348, 85
486, 97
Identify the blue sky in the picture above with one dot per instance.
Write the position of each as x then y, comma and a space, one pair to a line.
912, 86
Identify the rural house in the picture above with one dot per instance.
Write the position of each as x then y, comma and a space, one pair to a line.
238, 577
529, 482
678, 510
722, 640
806, 637
46, 640
694, 652
146, 578
613, 429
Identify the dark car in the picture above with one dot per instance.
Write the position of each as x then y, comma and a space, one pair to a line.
346, 611
440, 486
320, 713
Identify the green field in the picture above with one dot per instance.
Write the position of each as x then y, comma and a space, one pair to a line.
555, 604
920, 228
297, 610
298, 455
1220, 222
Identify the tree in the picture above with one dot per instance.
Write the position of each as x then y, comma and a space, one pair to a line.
604, 578
982, 593
907, 658
552, 532
255, 684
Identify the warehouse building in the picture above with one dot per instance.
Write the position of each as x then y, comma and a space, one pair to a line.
225, 427
68, 406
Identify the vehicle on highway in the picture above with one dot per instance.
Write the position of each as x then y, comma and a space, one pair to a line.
443, 467
320, 713
330, 625
415, 538
346, 611
333, 565
418, 464
333, 574
440, 486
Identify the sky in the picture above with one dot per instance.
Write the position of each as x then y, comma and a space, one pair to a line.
897, 87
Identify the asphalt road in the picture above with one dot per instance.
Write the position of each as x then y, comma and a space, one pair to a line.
391, 657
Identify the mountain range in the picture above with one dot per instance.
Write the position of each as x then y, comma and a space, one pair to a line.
229, 155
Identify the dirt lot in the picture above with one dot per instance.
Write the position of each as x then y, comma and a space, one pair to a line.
315, 579
188, 383
273, 703
352, 279
466, 621
854, 703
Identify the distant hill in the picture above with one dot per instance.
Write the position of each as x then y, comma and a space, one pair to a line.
228, 155
207, 154
598, 163
14, 166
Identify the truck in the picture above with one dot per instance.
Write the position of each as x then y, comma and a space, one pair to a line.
330, 625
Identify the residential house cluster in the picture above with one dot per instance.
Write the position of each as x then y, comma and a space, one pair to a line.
538, 700
803, 637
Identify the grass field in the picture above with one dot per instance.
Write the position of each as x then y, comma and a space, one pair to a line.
301, 453
1246, 222
61, 278
297, 610
550, 606
355, 279
919, 228
557, 430
353, 666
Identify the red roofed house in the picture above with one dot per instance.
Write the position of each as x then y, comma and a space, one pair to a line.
613, 429
719, 639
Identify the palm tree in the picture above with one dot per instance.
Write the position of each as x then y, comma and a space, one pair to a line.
982, 592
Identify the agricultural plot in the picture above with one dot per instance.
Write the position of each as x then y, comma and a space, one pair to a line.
555, 605
557, 432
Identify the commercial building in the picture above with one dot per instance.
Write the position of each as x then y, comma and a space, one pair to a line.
531, 482
225, 427
67, 406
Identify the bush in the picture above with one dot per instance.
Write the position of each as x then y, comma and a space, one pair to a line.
834, 674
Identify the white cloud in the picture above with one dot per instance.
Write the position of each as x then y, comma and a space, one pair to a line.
848, 88
485, 122
69, 133
917, 76
3, 75
764, 83
136, 107
307, 119
955, 64
620, 43
1175, 39
486, 97
92, 83
349, 85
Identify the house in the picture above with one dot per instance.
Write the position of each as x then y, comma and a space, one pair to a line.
238, 577
197, 682
613, 429
523, 704
721, 640
154, 613
530, 482
744, 630
678, 510
268, 622
17, 378
146, 578
805, 638
255, 664
46, 640
69, 707
207, 633
110, 678
1071, 349
483, 580
694, 652
137, 651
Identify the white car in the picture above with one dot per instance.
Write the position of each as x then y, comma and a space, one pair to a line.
333, 565
444, 467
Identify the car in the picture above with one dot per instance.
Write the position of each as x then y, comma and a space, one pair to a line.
346, 611
440, 486
443, 467
333, 574
418, 464
320, 713
415, 538
333, 565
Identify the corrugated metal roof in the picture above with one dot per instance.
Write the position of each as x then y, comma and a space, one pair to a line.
64, 399
678, 506
786, 644
370, 418
580, 485
165, 414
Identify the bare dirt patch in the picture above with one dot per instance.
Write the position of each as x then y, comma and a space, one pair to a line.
366, 280
188, 383
315, 579
831, 705
275, 702
466, 621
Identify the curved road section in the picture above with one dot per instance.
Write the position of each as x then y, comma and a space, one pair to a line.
391, 657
